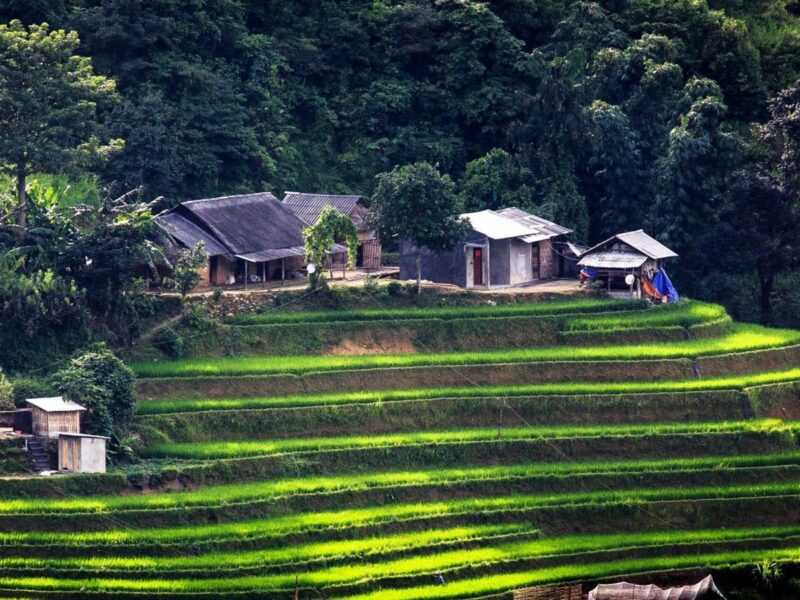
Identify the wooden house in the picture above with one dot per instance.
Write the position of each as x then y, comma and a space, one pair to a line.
502, 248
308, 207
249, 239
51, 416
625, 262
81, 453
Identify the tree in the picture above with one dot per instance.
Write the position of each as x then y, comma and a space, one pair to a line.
417, 203
185, 274
49, 104
493, 181
104, 385
320, 237
697, 165
761, 213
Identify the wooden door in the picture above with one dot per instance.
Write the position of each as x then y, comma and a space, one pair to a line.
477, 266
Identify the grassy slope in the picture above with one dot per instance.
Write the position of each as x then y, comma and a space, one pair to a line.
401, 524
174, 405
743, 338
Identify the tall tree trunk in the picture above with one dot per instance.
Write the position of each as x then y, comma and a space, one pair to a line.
22, 197
767, 281
419, 270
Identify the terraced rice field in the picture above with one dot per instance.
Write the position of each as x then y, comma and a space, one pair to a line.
364, 477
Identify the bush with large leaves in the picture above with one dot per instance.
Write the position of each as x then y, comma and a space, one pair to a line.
101, 383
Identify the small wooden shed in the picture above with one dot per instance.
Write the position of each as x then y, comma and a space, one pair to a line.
51, 416
82, 453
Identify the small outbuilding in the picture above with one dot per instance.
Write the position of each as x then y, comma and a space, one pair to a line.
502, 248
51, 416
308, 208
702, 590
81, 453
628, 263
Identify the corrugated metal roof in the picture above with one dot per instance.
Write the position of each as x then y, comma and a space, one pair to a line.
248, 223
265, 255
55, 404
188, 233
309, 206
703, 590
513, 223
610, 259
640, 241
544, 229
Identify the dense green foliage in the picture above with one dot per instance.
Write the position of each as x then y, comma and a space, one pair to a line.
331, 227
604, 116
49, 100
418, 204
101, 383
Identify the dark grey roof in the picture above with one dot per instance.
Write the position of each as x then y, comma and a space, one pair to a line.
309, 206
188, 233
639, 241
247, 223
703, 590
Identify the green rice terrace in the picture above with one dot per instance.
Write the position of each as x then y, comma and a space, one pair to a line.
419, 454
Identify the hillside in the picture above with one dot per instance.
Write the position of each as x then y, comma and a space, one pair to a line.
602, 439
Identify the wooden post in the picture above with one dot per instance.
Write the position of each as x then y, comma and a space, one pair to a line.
245, 274
283, 271
264, 274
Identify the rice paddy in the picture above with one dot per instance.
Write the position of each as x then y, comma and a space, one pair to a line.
367, 493
743, 338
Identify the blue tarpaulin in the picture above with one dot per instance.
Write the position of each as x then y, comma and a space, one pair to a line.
664, 286
589, 272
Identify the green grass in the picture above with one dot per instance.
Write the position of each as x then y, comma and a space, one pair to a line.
412, 566
229, 449
174, 405
243, 492
495, 584
302, 554
685, 314
496, 546
254, 492
572, 306
743, 338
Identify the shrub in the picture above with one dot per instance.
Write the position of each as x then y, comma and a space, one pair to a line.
169, 342
6, 393
103, 384
185, 272
371, 285
28, 387
395, 288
